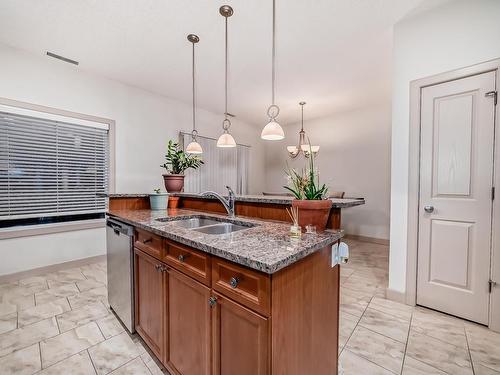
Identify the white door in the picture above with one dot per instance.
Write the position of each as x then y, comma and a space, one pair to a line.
456, 173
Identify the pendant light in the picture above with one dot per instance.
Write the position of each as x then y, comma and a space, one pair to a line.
273, 131
226, 139
303, 147
194, 147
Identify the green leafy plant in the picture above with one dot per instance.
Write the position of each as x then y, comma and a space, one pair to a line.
305, 185
177, 161
157, 191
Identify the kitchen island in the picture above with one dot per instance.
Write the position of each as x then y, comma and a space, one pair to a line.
250, 300
268, 207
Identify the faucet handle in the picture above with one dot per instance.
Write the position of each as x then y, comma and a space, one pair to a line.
231, 192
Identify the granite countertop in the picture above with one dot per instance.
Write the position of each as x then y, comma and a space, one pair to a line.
269, 199
280, 199
266, 246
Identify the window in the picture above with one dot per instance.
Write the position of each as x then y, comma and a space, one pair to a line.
223, 167
50, 170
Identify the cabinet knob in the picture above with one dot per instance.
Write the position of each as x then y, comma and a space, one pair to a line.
234, 282
183, 257
212, 301
147, 240
157, 267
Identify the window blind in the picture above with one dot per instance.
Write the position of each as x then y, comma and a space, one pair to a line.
51, 168
223, 167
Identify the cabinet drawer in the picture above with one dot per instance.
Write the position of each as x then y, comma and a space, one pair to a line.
248, 287
192, 262
149, 243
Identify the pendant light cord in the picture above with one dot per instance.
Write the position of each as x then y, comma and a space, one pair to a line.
225, 72
302, 125
274, 52
194, 102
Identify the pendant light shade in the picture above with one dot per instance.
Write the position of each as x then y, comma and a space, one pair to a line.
194, 147
226, 140
273, 130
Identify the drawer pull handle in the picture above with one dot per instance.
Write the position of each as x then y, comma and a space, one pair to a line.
147, 240
183, 257
234, 282
212, 301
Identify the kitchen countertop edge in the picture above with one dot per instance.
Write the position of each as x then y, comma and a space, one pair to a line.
268, 268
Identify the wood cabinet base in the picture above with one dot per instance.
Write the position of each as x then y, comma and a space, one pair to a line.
282, 324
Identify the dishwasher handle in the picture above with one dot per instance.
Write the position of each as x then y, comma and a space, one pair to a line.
119, 228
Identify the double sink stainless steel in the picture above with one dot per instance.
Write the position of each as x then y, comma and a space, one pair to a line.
207, 225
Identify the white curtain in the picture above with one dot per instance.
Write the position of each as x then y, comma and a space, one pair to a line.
223, 167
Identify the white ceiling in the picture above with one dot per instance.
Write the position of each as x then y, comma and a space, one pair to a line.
334, 54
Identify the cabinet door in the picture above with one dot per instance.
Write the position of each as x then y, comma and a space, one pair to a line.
150, 302
189, 325
240, 339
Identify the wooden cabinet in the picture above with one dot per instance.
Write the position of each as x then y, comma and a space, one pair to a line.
189, 346
240, 339
150, 301
246, 286
192, 262
149, 243
202, 315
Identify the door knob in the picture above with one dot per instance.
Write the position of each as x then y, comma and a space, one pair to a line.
429, 209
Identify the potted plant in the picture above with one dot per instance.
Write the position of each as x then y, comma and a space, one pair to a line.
177, 162
158, 200
310, 196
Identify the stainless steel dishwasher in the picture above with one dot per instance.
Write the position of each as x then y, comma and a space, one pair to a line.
119, 240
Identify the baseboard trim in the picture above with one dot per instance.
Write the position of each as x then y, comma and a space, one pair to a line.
395, 295
52, 268
378, 241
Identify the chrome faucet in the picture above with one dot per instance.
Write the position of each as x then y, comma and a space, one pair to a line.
227, 203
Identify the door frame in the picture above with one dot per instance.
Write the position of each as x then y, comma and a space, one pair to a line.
414, 184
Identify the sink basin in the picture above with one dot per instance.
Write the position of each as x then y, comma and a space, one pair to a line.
194, 222
221, 228
206, 225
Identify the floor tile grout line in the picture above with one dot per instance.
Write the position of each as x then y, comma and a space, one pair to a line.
91, 361
406, 344
427, 364
369, 360
149, 370
440, 340
40, 354
374, 307
468, 351
381, 334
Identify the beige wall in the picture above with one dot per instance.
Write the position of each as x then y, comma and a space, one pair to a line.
455, 35
354, 157
144, 123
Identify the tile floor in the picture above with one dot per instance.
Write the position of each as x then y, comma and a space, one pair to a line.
378, 336
60, 323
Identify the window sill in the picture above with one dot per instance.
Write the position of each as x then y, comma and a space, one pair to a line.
35, 230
